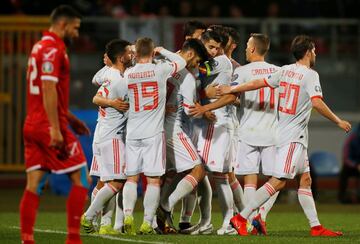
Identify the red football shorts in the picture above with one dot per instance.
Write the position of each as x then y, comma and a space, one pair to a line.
38, 154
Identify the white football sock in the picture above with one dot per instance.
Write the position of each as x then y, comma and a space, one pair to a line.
238, 194
108, 211
308, 205
261, 196
102, 197
151, 202
225, 198
129, 197
167, 188
249, 194
119, 213
265, 208
185, 186
188, 207
204, 198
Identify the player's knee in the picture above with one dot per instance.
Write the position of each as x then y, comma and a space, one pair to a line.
198, 172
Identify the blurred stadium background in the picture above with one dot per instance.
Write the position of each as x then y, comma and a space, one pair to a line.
335, 26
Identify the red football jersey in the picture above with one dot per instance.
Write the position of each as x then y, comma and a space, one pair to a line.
48, 61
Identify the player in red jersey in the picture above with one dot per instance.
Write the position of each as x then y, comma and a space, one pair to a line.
49, 143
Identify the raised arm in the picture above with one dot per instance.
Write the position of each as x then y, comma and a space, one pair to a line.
320, 106
179, 62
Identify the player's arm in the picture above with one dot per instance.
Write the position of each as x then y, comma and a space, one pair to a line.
199, 110
178, 61
247, 86
77, 125
50, 101
116, 103
320, 106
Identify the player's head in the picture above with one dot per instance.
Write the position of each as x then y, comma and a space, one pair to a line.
106, 60
257, 45
67, 21
119, 51
144, 47
212, 42
194, 52
221, 31
193, 29
234, 39
303, 47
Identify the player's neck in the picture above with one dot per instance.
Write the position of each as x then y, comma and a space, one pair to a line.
304, 62
257, 59
57, 31
119, 67
144, 60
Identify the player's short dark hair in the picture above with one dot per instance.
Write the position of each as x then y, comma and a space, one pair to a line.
234, 34
262, 43
116, 48
211, 35
144, 47
64, 11
191, 26
221, 31
300, 45
198, 48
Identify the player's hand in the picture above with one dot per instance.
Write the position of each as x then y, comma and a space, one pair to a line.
56, 138
197, 110
79, 127
210, 116
345, 125
119, 104
223, 90
157, 50
210, 91
169, 109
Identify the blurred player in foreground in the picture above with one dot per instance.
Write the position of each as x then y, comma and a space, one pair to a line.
49, 143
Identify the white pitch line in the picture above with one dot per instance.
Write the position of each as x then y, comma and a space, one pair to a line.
95, 235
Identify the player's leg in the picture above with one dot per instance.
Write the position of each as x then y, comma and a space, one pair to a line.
154, 155
29, 204
76, 202
267, 164
237, 191
188, 204
186, 160
129, 200
236, 188
307, 201
111, 158
119, 212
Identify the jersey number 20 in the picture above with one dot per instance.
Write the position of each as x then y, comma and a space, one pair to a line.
148, 89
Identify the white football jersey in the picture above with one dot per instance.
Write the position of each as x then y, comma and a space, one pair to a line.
220, 74
297, 84
257, 110
181, 93
147, 96
98, 78
111, 122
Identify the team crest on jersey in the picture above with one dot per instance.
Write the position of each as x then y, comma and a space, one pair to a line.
317, 88
215, 63
47, 67
49, 54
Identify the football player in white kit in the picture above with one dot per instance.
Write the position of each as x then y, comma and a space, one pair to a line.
145, 138
215, 138
109, 148
258, 123
299, 92
181, 154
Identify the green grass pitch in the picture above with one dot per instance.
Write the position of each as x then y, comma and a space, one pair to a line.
286, 224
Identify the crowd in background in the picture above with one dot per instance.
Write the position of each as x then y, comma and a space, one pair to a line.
187, 8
